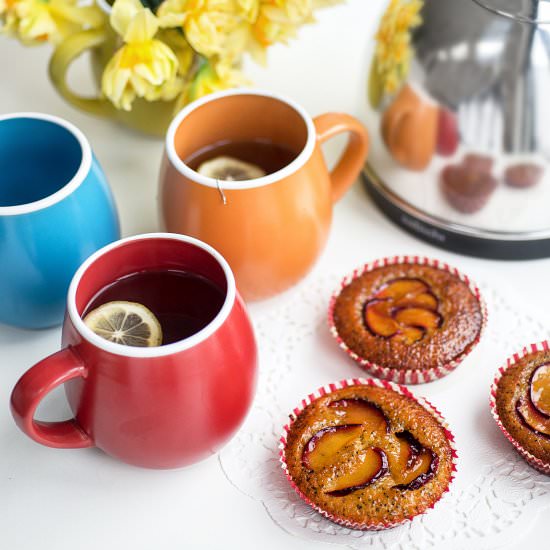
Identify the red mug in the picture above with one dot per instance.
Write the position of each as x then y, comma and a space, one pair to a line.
156, 407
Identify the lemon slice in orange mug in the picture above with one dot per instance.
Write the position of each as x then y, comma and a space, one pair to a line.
230, 169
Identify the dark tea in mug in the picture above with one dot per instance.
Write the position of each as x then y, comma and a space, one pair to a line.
183, 302
269, 156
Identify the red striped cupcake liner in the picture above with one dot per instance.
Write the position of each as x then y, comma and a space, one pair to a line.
329, 388
407, 376
535, 462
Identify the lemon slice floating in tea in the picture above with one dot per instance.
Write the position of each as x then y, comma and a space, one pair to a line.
126, 323
230, 169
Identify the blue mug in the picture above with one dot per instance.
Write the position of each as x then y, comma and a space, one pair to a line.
56, 209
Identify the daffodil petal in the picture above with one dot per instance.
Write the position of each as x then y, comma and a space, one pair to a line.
142, 27
145, 69
122, 14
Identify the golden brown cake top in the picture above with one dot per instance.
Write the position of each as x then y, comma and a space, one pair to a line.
408, 316
523, 403
369, 455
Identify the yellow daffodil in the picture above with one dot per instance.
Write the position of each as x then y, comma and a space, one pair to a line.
228, 28
289, 11
248, 9
276, 21
393, 43
144, 66
176, 41
271, 26
212, 77
36, 21
206, 23
284, 11
185, 48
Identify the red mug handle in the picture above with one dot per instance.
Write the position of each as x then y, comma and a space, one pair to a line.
33, 386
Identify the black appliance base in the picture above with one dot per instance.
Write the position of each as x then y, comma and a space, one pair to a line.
455, 237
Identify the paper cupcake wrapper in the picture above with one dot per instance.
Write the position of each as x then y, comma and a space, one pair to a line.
395, 374
324, 390
535, 462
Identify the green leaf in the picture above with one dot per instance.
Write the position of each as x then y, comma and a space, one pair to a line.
153, 5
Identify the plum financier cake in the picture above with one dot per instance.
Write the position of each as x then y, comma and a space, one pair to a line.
407, 320
368, 455
520, 402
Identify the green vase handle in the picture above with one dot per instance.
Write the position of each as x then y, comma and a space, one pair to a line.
65, 53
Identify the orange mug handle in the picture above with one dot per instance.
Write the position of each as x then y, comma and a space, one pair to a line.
355, 154
33, 386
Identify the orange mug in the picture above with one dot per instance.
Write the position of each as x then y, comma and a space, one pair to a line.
409, 129
271, 229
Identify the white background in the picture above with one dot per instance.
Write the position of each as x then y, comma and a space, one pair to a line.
83, 499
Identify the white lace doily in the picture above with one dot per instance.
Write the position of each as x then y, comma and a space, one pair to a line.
494, 490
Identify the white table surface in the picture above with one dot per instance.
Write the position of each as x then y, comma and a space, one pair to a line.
83, 499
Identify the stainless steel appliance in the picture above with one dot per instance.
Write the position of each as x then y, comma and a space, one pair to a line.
459, 94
